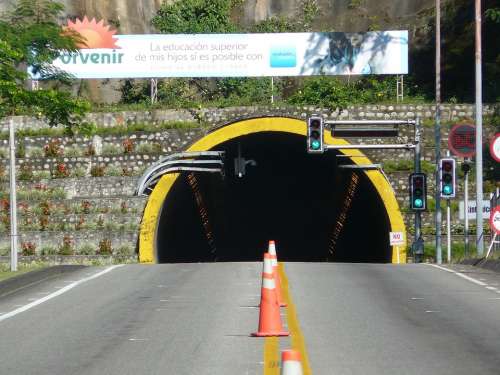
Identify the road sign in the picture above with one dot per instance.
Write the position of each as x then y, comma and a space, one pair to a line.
495, 147
495, 220
462, 140
471, 210
396, 238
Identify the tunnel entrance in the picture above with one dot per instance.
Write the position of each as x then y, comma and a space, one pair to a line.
315, 210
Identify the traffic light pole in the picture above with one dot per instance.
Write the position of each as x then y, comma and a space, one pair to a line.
418, 218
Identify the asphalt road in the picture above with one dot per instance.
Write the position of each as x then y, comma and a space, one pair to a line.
196, 319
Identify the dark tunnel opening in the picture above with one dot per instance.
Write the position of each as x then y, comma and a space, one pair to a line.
313, 209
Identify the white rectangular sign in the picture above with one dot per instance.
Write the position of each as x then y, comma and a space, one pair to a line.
472, 210
396, 238
241, 55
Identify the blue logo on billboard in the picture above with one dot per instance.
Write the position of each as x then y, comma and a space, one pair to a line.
283, 57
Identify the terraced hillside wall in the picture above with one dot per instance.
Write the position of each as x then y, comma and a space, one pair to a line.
76, 194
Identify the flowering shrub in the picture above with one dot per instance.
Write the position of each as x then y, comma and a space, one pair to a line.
4, 205
128, 146
80, 223
105, 247
45, 207
28, 248
66, 247
61, 171
53, 148
85, 205
25, 173
97, 171
124, 207
44, 222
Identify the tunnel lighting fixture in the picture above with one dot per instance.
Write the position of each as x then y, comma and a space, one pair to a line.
315, 128
418, 191
447, 167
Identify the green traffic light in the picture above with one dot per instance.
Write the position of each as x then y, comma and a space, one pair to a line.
315, 145
447, 189
418, 203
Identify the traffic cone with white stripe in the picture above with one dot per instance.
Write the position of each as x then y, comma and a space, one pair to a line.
271, 249
269, 318
291, 363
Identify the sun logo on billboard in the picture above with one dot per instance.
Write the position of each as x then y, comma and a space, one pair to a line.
94, 34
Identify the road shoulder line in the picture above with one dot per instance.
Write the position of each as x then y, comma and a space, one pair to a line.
468, 278
55, 294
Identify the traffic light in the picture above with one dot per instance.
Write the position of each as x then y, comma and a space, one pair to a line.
315, 135
447, 177
418, 191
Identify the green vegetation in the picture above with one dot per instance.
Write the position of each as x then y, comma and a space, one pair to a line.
457, 29
5, 272
31, 36
407, 165
116, 130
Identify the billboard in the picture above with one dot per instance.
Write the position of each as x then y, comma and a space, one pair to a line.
107, 55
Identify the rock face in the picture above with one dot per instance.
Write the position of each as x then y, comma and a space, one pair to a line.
131, 16
134, 17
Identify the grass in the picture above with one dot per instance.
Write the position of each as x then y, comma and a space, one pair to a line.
6, 273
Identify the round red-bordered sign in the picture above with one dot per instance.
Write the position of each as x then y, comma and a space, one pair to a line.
495, 220
462, 140
495, 147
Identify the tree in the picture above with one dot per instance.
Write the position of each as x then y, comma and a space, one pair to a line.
31, 37
195, 16
458, 49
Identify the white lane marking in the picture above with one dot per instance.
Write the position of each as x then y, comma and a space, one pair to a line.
55, 294
137, 339
491, 288
432, 311
468, 278
494, 298
416, 298
164, 300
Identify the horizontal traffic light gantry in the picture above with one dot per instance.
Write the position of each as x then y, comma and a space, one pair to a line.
418, 191
315, 128
447, 167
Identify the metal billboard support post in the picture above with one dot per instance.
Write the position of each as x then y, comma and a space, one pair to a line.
479, 136
13, 200
437, 131
154, 90
272, 90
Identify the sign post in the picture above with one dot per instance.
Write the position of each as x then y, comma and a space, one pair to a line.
462, 143
397, 239
495, 227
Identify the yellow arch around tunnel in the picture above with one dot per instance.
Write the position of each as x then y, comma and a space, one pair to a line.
151, 216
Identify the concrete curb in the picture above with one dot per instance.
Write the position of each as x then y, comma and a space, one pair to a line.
489, 264
29, 279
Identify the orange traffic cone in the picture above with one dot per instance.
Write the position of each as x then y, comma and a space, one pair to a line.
269, 319
291, 363
274, 257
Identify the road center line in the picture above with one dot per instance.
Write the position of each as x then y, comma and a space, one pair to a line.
55, 294
468, 278
297, 338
